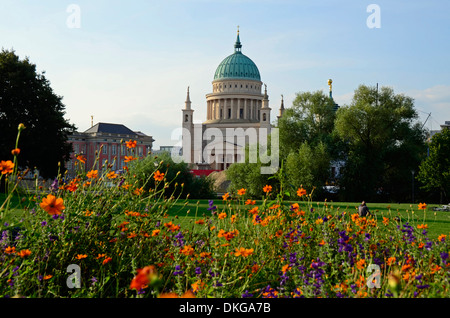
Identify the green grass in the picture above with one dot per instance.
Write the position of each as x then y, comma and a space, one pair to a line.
438, 221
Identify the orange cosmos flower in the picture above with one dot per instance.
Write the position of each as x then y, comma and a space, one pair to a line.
391, 260
6, 167
285, 268
138, 191
187, 250
222, 215
422, 226
197, 286
47, 277
143, 278
52, 205
93, 174
201, 221
158, 176
81, 158
360, 264
250, 202
10, 250
129, 158
301, 192
225, 196
244, 252
24, 253
267, 188
111, 175
106, 260
441, 238
385, 221
422, 206
241, 191
81, 256
15, 152
131, 143
155, 232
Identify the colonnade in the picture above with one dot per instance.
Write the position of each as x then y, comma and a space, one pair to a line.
233, 108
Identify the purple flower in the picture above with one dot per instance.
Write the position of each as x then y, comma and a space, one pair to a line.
178, 270
43, 223
212, 207
198, 271
246, 294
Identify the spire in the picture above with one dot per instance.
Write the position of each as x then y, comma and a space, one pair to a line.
237, 45
188, 100
281, 108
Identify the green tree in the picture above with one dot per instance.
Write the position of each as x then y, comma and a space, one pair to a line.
311, 119
384, 144
184, 182
308, 167
26, 97
434, 171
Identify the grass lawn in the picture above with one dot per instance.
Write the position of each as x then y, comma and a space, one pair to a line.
438, 221
183, 211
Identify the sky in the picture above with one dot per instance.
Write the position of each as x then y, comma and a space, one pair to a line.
130, 62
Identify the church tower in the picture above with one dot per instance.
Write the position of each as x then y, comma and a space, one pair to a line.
188, 130
264, 118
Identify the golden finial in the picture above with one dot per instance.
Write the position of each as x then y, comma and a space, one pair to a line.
238, 29
329, 83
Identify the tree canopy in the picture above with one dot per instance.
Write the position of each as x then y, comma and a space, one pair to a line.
434, 171
26, 97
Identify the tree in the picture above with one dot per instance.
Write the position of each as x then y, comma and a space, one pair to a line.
311, 119
308, 167
26, 97
180, 180
434, 171
384, 144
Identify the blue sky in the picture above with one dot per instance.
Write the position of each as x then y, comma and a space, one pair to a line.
130, 62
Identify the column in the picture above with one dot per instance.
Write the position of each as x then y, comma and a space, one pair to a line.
245, 108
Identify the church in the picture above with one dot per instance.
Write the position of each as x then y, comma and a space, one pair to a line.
238, 113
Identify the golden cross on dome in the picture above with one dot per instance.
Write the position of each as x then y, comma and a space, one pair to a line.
238, 29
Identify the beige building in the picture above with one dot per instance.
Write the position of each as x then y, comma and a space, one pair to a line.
237, 109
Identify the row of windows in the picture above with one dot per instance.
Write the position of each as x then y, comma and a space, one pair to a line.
114, 149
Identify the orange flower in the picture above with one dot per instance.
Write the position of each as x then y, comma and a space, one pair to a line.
267, 189
155, 232
129, 158
301, 192
222, 215
47, 277
422, 226
197, 286
10, 250
138, 191
158, 176
244, 252
285, 268
52, 205
422, 206
250, 202
6, 167
360, 264
81, 158
254, 210
24, 253
391, 260
93, 174
111, 175
385, 220
241, 191
255, 268
15, 152
187, 250
441, 238
143, 278
131, 143
225, 196
106, 260
72, 186
81, 256
201, 221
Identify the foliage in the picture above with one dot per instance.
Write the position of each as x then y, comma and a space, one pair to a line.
384, 144
434, 171
185, 182
26, 97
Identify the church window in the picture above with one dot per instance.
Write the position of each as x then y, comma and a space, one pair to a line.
186, 118
241, 113
221, 115
264, 117
229, 113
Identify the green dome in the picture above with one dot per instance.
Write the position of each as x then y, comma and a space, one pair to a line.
238, 66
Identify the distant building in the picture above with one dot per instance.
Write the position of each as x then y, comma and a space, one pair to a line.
108, 142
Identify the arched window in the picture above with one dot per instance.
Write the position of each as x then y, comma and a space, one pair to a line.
264, 117
186, 118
